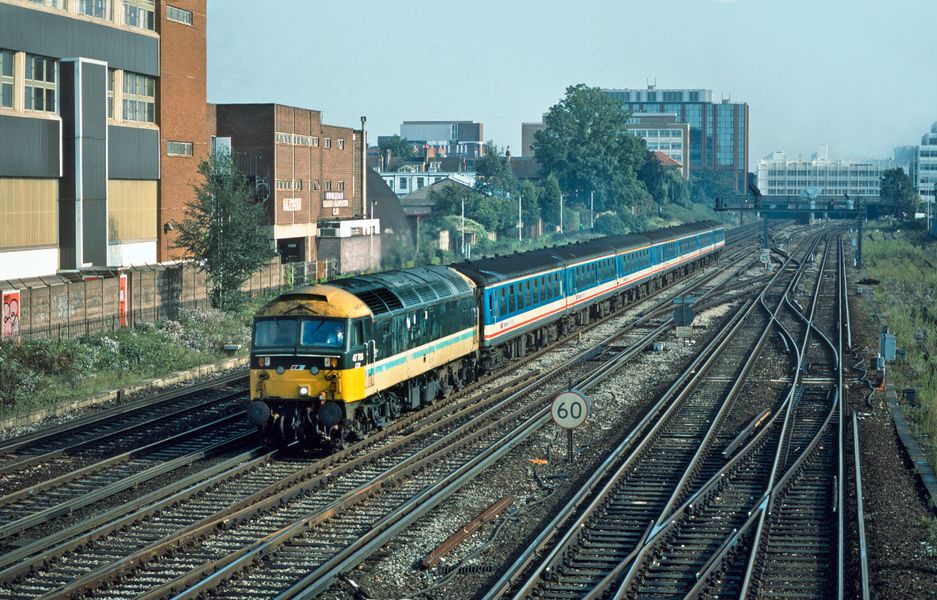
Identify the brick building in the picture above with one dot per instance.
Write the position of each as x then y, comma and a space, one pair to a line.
101, 128
182, 98
311, 175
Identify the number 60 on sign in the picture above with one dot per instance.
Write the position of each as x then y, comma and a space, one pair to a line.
570, 409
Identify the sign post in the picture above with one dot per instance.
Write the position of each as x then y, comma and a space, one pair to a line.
570, 409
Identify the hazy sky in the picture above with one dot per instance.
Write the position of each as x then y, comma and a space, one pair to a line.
859, 75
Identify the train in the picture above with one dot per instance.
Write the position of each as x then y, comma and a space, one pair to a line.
331, 362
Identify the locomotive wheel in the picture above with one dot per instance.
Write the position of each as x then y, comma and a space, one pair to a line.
340, 438
394, 407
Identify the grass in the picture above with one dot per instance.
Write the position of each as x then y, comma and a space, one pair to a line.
37, 373
905, 263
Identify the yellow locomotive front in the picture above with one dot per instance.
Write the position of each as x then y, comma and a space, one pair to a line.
309, 356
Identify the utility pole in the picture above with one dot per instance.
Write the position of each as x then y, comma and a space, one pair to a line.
520, 218
462, 227
561, 213
592, 210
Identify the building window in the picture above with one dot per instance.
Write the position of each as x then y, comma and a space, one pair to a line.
283, 184
139, 98
341, 144
140, 13
419, 183
110, 93
178, 148
297, 184
328, 185
51, 3
40, 83
283, 138
6, 79
93, 8
179, 15
328, 142
341, 186
315, 141
403, 183
315, 184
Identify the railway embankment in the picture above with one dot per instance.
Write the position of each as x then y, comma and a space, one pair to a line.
900, 268
45, 378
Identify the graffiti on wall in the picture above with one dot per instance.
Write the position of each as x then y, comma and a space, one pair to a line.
11, 314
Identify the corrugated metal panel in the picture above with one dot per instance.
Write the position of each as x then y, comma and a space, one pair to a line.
133, 152
35, 151
58, 36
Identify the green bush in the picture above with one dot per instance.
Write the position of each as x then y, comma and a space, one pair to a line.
904, 263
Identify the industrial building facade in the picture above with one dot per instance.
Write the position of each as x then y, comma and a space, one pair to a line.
311, 175
102, 125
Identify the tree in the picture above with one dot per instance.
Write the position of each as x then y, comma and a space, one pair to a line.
896, 187
707, 183
530, 195
400, 148
221, 232
586, 144
492, 212
550, 201
493, 175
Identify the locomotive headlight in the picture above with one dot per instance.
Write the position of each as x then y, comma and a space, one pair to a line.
314, 370
280, 370
303, 390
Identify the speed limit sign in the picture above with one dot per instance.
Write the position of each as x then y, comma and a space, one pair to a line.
570, 409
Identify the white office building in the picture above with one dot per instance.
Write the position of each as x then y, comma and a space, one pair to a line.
781, 176
926, 172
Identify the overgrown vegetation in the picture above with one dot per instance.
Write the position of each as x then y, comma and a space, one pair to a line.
36, 373
905, 263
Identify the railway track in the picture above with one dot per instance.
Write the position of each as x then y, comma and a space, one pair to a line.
53, 452
107, 571
643, 484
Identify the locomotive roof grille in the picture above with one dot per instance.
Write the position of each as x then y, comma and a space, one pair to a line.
393, 290
379, 300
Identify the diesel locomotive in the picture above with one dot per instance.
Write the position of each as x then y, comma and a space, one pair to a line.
332, 361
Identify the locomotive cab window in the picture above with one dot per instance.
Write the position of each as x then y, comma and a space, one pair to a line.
322, 332
357, 334
274, 333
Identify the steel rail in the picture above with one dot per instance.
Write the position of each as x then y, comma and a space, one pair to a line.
67, 506
70, 450
864, 582
144, 404
526, 557
703, 492
774, 482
